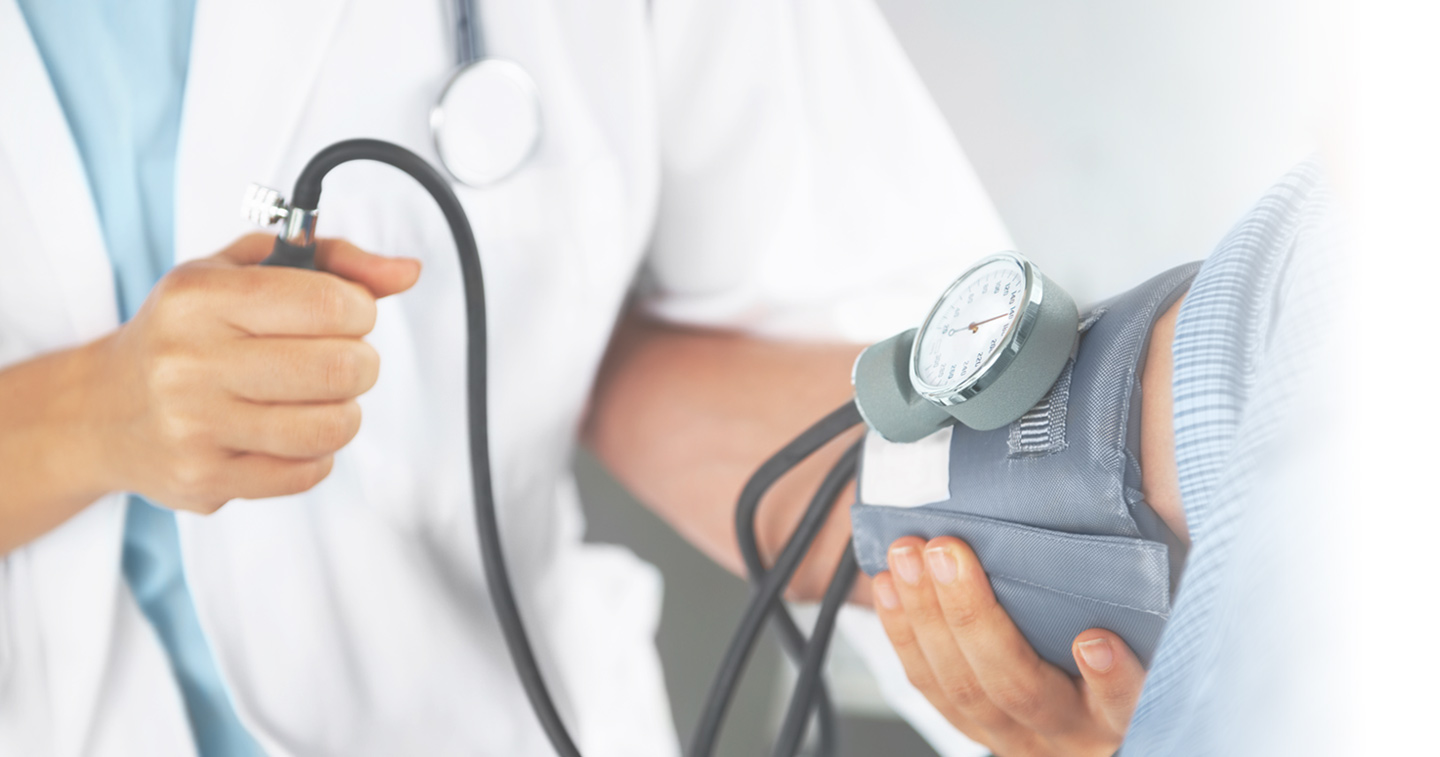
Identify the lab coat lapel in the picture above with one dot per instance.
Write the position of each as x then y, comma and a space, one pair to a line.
38, 146
75, 568
252, 65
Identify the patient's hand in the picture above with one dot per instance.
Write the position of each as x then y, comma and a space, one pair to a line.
961, 650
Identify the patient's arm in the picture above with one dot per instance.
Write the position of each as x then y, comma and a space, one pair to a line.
961, 650
682, 417
1159, 477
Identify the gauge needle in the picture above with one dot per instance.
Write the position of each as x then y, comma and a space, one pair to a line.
975, 327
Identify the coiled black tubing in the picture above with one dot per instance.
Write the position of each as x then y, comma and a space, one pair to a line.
810, 695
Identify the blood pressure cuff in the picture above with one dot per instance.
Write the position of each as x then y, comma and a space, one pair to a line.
1051, 504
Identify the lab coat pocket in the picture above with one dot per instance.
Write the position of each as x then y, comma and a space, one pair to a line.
1052, 583
605, 613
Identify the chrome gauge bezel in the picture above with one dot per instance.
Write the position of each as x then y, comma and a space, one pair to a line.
1010, 343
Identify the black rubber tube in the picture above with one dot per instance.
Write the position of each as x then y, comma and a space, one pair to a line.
812, 669
497, 576
775, 468
732, 665
770, 584
286, 255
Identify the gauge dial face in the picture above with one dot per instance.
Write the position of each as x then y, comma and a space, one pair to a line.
971, 324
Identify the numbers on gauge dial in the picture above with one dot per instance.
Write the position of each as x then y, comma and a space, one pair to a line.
970, 324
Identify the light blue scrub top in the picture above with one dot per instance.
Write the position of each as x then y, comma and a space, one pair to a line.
118, 68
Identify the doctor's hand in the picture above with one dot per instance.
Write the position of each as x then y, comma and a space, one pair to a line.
962, 651
236, 380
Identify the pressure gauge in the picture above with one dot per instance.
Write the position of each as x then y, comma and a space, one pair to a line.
992, 346
962, 343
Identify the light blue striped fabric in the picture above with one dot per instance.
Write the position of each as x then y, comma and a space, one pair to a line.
1247, 354
118, 68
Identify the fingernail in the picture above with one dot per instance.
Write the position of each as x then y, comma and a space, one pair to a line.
942, 565
886, 594
907, 563
1097, 653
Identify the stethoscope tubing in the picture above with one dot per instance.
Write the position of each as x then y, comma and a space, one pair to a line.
469, 34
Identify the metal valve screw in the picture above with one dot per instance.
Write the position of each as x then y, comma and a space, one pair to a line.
263, 206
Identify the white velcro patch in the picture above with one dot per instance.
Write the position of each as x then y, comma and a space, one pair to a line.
906, 475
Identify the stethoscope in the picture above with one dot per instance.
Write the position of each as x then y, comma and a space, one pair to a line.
486, 121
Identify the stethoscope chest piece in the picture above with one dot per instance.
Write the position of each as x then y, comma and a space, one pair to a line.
486, 123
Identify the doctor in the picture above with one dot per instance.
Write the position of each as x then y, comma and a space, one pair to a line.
709, 173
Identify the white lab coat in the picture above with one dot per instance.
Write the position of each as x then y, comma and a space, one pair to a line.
774, 167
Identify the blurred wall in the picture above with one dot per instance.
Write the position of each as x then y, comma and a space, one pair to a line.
1119, 137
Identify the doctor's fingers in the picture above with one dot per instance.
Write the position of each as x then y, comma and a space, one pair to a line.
291, 369
917, 668
932, 659
381, 275
246, 476
262, 301
1113, 677
1033, 692
298, 432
